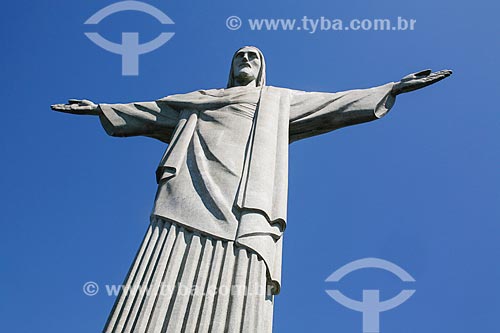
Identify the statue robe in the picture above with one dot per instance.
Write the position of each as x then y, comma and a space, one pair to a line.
225, 171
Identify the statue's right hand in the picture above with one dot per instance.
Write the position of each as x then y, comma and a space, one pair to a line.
77, 106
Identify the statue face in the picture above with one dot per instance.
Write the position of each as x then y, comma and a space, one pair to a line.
246, 66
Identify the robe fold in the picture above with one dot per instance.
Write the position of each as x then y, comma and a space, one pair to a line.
225, 171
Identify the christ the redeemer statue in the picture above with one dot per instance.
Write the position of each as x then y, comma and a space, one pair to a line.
211, 258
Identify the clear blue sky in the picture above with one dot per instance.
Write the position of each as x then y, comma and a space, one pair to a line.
420, 188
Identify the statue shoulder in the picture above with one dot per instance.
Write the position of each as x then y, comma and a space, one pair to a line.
191, 94
280, 91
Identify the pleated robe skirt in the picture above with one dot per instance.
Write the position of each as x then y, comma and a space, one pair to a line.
183, 281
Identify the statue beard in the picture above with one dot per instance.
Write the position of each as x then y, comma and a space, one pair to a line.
244, 79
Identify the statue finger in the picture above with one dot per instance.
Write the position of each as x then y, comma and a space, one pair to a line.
57, 107
424, 73
61, 107
408, 77
74, 101
432, 79
438, 76
444, 72
86, 102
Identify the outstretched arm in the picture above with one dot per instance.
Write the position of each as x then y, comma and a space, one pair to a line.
153, 119
314, 113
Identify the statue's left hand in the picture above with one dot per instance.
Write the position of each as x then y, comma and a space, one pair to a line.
419, 80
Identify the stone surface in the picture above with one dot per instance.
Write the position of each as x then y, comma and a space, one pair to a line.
223, 182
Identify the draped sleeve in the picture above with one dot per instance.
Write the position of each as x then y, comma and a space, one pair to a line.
314, 113
153, 119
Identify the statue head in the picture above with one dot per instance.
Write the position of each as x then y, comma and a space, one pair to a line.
247, 67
